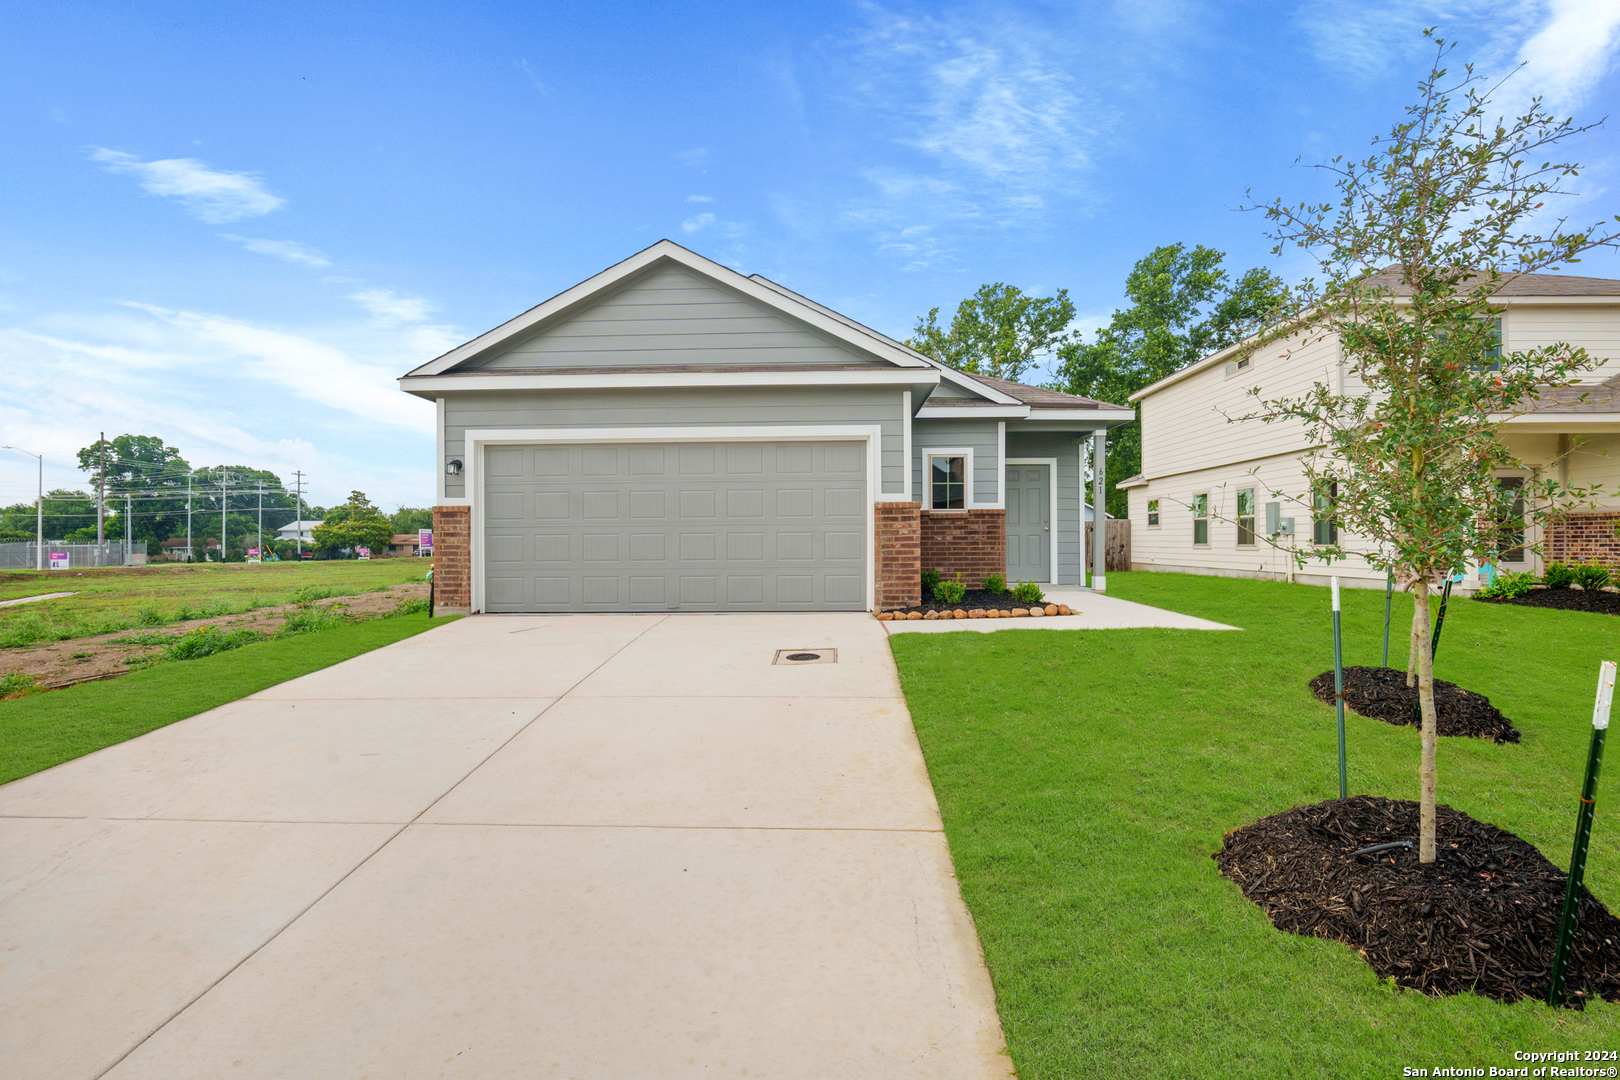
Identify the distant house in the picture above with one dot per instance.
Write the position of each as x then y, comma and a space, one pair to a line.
1204, 502
298, 530
405, 544
178, 547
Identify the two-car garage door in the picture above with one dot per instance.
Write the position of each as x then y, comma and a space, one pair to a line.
752, 526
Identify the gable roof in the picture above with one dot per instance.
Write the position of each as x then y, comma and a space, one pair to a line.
570, 301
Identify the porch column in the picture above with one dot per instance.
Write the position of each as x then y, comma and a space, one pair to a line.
1099, 516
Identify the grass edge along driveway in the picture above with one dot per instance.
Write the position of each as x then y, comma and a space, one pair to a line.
1085, 777
46, 729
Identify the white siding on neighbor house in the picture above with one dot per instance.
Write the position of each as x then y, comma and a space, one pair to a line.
1071, 449
981, 435
1595, 329
1185, 425
671, 316
677, 407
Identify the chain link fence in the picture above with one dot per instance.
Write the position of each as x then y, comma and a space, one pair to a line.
63, 556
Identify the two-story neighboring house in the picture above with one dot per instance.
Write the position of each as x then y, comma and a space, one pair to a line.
1204, 500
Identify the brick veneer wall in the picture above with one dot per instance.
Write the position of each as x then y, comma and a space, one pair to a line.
1587, 536
972, 543
899, 554
452, 560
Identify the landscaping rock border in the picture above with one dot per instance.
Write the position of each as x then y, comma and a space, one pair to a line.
1029, 611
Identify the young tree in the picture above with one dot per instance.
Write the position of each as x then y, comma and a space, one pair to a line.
1424, 232
998, 331
1183, 307
355, 524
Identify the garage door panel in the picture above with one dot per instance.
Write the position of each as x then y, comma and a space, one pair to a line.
749, 526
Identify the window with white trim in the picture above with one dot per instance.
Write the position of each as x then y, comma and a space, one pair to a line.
1153, 513
1200, 510
947, 482
1245, 517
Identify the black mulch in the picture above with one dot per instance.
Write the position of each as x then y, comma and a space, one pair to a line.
1606, 603
1381, 693
974, 598
1482, 917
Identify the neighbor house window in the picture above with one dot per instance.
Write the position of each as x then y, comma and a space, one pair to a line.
947, 484
1245, 516
1324, 524
1153, 513
1510, 519
1200, 509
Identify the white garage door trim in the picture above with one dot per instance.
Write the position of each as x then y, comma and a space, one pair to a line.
872, 434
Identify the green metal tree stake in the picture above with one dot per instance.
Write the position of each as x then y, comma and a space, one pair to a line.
1389, 597
1434, 642
1338, 684
1583, 834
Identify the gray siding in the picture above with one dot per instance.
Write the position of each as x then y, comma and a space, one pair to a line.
669, 316
677, 407
980, 434
948, 389
1066, 446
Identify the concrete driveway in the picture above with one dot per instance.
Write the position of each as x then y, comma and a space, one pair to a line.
574, 846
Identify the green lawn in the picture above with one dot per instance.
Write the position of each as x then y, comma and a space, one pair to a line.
46, 729
121, 598
1085, 778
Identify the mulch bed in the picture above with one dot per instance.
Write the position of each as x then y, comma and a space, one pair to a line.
975, 598
1482, 917
1606, 603
1381, 693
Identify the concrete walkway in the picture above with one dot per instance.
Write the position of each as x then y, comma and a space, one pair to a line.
1092, 611
586, 846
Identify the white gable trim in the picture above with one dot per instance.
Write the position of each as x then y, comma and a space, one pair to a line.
691, 260
432, 386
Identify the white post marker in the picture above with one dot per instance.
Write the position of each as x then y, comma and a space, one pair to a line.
1605, 695
1335, 594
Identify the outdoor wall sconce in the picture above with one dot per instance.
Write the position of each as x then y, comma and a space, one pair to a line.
454, 467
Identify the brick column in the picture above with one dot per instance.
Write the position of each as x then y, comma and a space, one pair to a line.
452, 560
899, 554
1584, 536
972, 543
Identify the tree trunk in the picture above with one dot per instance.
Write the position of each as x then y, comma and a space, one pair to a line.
1425, 687
1412, 653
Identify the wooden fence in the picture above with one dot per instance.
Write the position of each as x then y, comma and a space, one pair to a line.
1118, 545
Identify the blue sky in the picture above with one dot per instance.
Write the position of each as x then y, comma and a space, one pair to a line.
235, 225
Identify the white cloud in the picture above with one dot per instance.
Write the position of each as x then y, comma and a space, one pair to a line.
699, 198
289, 250
1572, 50
208, 194
696, 156
534, 80
385, 304
697, 222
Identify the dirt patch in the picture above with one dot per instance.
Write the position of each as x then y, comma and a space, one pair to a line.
1381, 693
1598, 600
1482, 917
62, 663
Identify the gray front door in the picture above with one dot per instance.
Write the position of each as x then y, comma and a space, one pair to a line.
675, 527
1029, 523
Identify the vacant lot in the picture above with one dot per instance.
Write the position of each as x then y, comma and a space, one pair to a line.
1085, 778
87, 634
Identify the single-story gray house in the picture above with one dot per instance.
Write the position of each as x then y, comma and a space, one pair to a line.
671, 435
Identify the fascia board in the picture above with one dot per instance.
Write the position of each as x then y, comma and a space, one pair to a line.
430, 385
967, 412
667, 249
1108, 416
967, 382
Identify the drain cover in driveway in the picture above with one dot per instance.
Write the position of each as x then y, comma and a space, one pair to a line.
791, 657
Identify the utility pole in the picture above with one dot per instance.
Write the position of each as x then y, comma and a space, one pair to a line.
129, 534
189, 472
101, 497
260, 539
224, 497
298, 532
39, 519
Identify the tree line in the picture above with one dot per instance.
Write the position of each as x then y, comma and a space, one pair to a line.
149, 487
